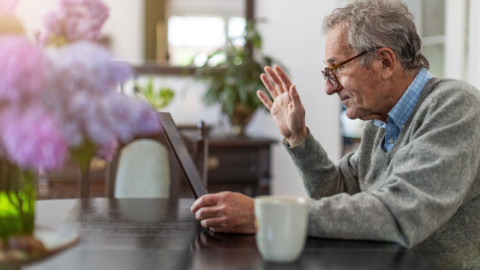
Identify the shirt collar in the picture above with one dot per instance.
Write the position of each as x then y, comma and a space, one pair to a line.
404, 107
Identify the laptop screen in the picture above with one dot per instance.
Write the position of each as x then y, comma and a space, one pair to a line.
184, 159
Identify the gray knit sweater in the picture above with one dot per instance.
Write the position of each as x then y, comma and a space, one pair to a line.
423, 194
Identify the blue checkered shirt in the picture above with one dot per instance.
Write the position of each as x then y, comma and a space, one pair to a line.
402, 110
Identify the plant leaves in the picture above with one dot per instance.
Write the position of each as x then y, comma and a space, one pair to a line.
156, 98
235, 79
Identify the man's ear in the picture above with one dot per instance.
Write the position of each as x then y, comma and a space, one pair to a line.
389, 62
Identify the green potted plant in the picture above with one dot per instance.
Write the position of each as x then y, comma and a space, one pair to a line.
234, 79
157, 98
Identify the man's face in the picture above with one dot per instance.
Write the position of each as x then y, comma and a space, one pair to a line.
362, 90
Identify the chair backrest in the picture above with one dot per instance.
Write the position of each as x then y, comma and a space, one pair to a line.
197, 144
142, 170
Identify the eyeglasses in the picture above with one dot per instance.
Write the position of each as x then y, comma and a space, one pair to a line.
328, 72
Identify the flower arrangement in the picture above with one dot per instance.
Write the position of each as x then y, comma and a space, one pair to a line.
59, 96
58, 93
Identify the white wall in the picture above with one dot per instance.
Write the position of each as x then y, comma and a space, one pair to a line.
292, 34
125, 28
31, 13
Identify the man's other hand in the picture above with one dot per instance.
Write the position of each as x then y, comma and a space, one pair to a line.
229, 212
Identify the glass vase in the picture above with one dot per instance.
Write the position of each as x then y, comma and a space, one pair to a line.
17, 200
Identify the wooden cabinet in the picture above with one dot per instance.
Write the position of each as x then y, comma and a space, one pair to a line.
239, 164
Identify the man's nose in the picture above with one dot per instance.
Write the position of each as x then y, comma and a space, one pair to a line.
329, 89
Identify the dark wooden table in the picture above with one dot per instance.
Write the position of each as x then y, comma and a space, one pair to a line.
162, 234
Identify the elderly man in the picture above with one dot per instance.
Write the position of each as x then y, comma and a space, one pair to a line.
415, 179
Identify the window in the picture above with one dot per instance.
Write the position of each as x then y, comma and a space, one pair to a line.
197, 28
449, 33
430, 21
194, 37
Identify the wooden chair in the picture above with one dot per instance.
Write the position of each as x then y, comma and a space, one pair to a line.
197, 144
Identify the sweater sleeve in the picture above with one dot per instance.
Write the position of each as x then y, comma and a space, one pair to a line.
320, 175
420, 187
336, 205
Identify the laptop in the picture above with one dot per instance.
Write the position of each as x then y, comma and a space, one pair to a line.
180, 151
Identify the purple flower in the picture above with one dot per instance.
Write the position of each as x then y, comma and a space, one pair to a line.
75, 20
128, 117
82, 94
65, 97
106, 151
22, 69
84, 66
32, 138
104, 119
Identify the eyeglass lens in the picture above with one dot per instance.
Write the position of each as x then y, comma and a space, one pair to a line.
328, 73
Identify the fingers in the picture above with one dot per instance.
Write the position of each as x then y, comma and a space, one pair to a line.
225, 212
209, 212
271, 89
298, 128
214, 218
216, 222
204, 201
276, 82
297, 103
264, 99
283, 77
280, 80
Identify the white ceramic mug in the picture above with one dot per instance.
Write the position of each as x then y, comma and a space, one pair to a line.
281, 227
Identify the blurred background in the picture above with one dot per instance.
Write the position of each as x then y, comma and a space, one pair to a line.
165, 36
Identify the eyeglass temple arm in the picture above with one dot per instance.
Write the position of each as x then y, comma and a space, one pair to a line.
348, 60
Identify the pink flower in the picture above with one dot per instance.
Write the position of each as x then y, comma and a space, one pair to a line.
8, 6
106, 151
75, 20
65, 97
32, 138
84, 66
128, 117
82, 94
104, 119
22, 69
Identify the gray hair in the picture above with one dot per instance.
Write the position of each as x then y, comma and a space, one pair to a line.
380, 23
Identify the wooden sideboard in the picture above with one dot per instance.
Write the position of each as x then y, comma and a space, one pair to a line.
240, 164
